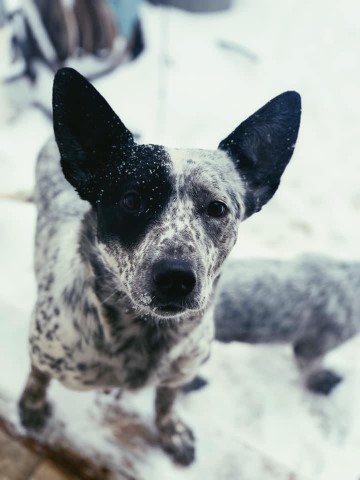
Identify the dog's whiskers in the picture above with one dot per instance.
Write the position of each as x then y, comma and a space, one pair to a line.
110, 296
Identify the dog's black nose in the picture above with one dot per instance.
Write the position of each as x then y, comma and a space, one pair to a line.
173, 278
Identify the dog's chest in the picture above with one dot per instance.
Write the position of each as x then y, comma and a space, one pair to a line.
75, 348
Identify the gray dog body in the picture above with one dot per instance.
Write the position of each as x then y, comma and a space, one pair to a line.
311, 302
130, 240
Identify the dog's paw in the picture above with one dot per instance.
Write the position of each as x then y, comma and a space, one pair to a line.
34, 419
323, 382
178, 441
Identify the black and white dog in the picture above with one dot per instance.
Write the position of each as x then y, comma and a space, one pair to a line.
311, 302
130, 240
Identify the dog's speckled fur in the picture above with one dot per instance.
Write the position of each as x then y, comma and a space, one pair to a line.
97, 322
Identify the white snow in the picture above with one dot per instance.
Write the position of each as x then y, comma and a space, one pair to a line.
186, 91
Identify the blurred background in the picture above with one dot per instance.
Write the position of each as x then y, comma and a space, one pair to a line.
185, 73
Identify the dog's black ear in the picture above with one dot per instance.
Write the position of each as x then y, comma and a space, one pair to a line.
87, 131
262, 146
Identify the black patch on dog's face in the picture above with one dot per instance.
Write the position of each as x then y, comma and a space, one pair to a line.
146, 173
103, 163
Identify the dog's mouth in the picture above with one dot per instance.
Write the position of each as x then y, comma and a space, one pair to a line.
170, 309
174, 309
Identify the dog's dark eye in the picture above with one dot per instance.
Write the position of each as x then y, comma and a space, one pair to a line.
132, 201
216, 209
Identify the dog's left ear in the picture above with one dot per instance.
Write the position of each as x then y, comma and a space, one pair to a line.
87, 132
262, 146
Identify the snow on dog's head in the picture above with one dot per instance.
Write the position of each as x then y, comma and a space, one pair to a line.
166, 219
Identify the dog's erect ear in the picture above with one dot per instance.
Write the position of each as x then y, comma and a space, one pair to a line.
262, 146
87, 131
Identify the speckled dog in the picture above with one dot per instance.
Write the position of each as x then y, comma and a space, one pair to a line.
311, 302
126, 266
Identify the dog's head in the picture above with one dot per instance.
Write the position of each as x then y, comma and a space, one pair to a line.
167, 218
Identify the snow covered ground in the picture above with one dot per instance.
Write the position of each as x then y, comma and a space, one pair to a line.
188, 91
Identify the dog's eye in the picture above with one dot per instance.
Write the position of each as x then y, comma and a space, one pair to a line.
217, 209
132, 202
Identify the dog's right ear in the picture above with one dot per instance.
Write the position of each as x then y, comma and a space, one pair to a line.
262, 146
87, 131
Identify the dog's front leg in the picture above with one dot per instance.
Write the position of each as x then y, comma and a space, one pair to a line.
33, 407
175, 437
